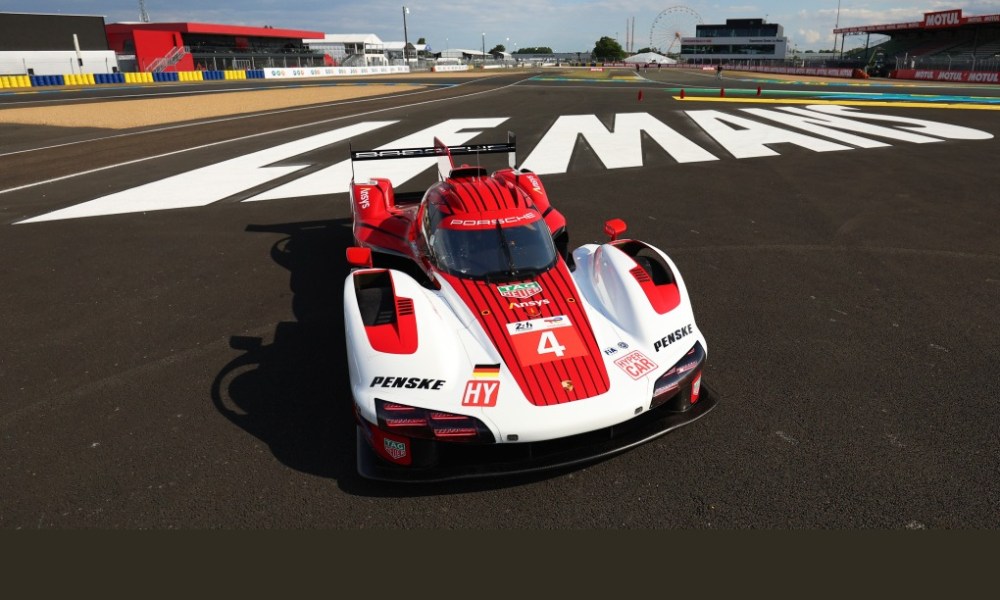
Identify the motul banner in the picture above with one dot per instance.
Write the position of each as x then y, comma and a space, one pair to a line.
958, 76
944, 18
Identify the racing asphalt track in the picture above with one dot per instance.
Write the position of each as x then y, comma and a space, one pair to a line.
185, 368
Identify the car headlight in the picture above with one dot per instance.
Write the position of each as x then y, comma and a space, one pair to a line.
687, 369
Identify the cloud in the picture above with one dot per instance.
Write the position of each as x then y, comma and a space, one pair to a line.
811, 36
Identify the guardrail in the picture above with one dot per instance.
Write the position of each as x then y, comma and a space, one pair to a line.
145, 77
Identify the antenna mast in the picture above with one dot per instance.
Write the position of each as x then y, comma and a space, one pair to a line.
143, 15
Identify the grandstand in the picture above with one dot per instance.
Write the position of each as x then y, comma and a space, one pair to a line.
942, 41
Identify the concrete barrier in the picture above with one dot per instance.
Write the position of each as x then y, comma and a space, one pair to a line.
87, 79
14, 81
46, 80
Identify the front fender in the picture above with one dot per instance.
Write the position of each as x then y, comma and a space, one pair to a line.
404, 349
616, 285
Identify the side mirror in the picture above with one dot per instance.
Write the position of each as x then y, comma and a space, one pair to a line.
614, 228
359, 257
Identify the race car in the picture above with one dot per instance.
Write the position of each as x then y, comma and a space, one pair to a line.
478, 345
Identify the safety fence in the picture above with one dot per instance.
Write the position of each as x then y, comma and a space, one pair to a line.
97, 79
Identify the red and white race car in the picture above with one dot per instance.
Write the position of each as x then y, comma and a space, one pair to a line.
490, 349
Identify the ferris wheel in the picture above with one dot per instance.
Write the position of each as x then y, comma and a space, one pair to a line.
670, 26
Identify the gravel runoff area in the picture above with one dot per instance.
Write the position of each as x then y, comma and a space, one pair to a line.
126, 114
145, 112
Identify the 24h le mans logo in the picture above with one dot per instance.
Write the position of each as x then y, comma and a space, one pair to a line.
519, 290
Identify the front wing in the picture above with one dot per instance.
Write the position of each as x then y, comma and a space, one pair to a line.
464, 461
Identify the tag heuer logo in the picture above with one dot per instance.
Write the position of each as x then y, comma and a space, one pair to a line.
519, 290
397, 450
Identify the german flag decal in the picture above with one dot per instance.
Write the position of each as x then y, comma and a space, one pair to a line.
486, 372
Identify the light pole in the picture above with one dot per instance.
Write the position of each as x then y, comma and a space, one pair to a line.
484, 48
406, 39
837, 26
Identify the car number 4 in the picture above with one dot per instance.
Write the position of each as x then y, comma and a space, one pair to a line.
548, 344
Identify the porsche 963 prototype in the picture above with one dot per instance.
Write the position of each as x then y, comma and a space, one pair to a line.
493, 349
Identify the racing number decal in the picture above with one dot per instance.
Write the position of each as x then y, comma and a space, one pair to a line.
533, 347
548, 343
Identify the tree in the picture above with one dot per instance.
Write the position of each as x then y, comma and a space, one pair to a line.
422, 41
608, 49
498, 49
644, 50
534, 50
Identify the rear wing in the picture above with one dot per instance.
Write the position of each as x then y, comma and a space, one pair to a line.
443, 153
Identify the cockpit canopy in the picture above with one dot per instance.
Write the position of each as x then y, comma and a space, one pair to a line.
503, 244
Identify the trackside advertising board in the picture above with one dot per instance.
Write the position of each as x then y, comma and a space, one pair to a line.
303, 72
959, 76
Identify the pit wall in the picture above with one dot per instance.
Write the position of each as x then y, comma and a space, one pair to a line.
814, 71
98, 79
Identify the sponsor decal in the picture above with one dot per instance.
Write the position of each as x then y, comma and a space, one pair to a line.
520, 290
612, 350
668, 339
482, 390
535, 184
520, 327
480, 393
433, 151
636, 364
530, 305
409, 383
364, 201
502, 220
567, 384
486, 372
397, 450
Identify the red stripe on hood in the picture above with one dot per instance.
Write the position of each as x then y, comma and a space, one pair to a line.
541, 383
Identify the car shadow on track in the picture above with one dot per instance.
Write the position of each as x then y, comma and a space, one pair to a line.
293, 393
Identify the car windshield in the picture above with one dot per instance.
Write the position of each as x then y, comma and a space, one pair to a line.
495, 253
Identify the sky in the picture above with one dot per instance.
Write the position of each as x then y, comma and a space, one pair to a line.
563, 25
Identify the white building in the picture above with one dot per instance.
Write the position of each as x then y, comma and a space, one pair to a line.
352, 49
738, 39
